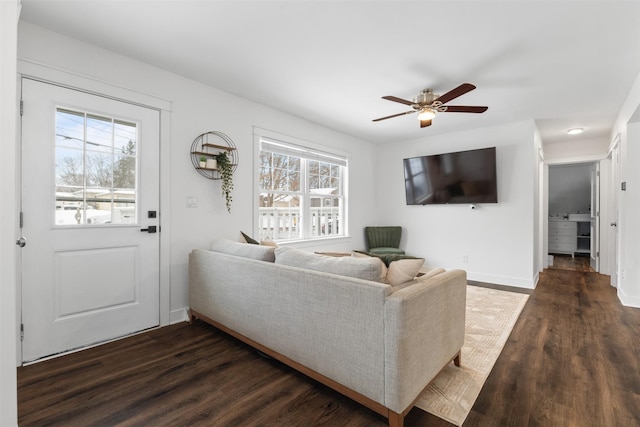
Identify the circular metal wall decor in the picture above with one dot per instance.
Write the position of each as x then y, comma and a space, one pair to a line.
207, 146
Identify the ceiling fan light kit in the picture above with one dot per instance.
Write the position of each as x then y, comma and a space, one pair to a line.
428, 103
426, 113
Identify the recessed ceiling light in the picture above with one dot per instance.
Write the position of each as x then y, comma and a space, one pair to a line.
575, 131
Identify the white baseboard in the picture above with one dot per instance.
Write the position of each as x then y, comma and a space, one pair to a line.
501, 280
627, 300
179, 315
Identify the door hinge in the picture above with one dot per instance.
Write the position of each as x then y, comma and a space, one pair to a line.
21, 331
21, 107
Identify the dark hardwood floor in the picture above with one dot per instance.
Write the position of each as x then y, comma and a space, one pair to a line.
572, 360
575, 263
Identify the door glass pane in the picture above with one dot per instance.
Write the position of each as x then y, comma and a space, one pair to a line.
96, 169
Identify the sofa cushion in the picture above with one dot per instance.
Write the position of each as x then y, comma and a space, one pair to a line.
245, 250
361, 268
398, 269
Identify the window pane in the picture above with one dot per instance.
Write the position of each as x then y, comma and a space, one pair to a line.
96, 169
124, 138
99, 134
69, 129
279, 216
69, 167
124, 172
325, 214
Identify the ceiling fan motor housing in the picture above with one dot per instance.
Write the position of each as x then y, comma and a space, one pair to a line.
426, 97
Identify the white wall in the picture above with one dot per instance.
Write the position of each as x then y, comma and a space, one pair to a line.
628, 127
498, 239
196, 108
8, 207
9, 11
579, 149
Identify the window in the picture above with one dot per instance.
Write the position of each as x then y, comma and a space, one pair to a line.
301, 192
95, 169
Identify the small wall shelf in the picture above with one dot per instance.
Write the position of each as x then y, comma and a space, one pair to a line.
209, 145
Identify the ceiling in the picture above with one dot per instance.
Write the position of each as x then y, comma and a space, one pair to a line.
563, 63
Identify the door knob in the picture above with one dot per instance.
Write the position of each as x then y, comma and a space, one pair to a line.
21, 242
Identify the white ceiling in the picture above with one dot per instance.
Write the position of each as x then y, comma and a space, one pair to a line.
562, 63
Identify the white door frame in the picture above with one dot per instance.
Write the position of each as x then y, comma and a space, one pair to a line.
567, 161
61, 78
613, 210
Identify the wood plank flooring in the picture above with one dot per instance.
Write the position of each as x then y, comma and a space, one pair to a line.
572, 360
576, 263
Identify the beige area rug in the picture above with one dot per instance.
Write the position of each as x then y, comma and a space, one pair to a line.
490, 317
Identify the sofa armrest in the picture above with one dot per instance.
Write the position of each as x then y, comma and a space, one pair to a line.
424, 330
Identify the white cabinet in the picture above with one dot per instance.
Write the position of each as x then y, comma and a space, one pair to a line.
583, 235
562, 237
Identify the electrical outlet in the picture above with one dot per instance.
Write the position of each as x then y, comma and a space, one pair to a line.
465, 259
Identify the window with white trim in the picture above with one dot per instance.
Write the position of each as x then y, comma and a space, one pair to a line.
301, 192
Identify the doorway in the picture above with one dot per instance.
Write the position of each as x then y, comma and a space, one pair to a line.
573, 216
90, 185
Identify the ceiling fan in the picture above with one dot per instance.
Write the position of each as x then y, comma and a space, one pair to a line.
427, 104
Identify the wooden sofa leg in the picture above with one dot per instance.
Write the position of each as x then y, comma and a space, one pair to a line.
458, 359
395, 419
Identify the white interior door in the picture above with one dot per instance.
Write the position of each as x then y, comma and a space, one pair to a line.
90, 185
595, 217
614, 184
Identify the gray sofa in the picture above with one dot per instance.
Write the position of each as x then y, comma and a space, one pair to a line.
377, 344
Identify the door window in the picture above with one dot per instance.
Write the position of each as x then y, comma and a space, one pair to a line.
96, 165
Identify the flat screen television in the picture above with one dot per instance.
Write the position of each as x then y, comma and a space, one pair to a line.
460, 177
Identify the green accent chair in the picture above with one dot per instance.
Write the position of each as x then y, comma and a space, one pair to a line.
383, 240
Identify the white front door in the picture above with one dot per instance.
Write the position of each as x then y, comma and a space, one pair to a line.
90, 185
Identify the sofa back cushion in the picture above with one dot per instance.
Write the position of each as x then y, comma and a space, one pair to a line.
245, 250
360, 268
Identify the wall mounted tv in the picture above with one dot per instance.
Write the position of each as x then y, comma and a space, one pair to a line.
460, 177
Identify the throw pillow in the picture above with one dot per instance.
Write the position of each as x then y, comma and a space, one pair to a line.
399, 268
249, 239
403, 270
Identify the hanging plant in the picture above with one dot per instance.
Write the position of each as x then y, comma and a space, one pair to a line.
226, 176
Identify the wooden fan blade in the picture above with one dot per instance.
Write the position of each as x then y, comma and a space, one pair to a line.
465, 109
425, 123
394, 115
454, 93
396, 99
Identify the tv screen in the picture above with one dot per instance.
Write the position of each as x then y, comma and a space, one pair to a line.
460, 177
